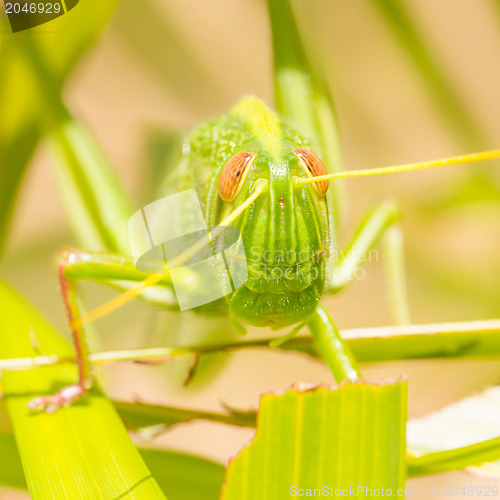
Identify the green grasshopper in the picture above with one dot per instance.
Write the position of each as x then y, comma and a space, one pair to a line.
268, 175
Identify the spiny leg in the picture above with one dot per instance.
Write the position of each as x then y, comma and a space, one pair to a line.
380, 222
77, 265
395, 269
70, 393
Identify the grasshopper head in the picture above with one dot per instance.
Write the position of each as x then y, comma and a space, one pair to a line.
284, 232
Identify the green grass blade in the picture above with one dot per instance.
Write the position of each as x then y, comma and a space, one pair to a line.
162, 153
354, 435
439, 86
20, 127
14, 157
139, 415
463, 434
11, 472
384, 343
439, 340
457, 458
180, 476
79, 452
96, 204
185, 476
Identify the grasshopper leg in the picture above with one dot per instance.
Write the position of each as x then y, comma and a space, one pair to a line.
396, 274
380, 222
71, 393
332, 347
77, 265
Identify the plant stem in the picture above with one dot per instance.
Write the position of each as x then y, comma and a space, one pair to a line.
439, 84
140, 415
386, 343
454, 459
332, 347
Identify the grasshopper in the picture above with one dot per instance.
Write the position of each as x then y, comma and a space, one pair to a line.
266, 173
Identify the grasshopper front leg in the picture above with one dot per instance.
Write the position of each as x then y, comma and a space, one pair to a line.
334, 351
73, 392
75, 265
381, 222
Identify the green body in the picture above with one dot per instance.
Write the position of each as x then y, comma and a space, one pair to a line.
286, 232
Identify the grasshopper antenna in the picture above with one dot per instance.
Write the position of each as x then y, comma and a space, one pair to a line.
133, 292
408, 167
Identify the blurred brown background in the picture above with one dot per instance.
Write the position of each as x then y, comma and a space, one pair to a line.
168, 65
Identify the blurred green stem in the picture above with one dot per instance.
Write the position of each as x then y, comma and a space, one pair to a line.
140, 415
97, 205
454, 459
439, 85
20, 127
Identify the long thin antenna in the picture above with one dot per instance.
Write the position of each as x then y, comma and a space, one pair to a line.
182, 258
408, 167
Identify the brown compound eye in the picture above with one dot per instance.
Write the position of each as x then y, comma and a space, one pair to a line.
233, 174
314, 168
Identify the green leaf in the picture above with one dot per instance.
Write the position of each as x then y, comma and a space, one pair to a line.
14, 156
354, 435
11, 472
96, 202
20, 127
184, 476
460, 435
163, 152
139, 415
180, 476
84, 449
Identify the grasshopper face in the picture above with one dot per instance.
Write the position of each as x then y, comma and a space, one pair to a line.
285, 232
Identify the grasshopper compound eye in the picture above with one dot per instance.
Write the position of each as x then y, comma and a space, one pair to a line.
314, 168
233, 174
